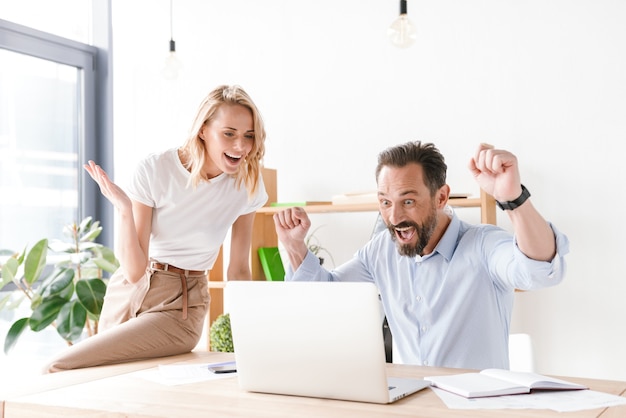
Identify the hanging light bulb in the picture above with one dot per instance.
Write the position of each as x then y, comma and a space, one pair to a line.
172, 64
402, 32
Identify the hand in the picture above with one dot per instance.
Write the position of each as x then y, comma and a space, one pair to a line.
496, 172
110, 190
292, 225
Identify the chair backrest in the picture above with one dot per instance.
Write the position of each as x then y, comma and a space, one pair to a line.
521, 357
379, 225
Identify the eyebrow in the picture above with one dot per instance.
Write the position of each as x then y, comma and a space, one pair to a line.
404, 193
409, 192
234, 129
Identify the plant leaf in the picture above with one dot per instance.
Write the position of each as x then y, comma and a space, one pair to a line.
4, 300
57, 282
59, 246
90, 293
106, 265
71, 321
14, 333
84, 224
11, 301
35, 261
9, 270
91, 235
45, 314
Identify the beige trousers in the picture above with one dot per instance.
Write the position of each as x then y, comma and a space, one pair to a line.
141, 321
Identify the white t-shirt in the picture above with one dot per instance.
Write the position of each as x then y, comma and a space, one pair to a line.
189, 225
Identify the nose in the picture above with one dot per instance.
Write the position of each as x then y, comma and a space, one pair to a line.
396, 214
242, 145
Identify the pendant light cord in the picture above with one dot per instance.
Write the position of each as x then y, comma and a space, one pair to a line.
172, 43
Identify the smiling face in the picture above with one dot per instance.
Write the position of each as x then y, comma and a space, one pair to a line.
228, 138
412, 215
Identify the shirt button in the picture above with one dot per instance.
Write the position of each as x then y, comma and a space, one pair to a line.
424, 328
418, 298
425, 363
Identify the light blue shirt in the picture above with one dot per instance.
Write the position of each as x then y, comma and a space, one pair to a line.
450, 308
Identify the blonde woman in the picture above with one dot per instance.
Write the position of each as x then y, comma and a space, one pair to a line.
172, 221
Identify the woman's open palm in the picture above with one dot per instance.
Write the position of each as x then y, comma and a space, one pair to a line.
110, 190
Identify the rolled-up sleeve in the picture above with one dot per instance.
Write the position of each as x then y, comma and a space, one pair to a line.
540, 274
310, 270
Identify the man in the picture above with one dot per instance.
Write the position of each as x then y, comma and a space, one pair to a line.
447, 287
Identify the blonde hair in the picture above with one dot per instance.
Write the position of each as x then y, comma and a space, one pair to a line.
194, 147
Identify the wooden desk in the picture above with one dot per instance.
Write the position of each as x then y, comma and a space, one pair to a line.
104, 391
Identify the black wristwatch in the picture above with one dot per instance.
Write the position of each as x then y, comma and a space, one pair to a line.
512, 204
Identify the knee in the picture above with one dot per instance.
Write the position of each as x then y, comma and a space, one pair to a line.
53, 368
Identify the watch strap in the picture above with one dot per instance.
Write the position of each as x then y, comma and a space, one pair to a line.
512, 204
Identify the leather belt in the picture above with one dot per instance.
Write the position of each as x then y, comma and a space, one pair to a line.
154, 265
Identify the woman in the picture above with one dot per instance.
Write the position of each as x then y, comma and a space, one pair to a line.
173, 220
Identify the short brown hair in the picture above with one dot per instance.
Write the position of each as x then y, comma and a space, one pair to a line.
425, 154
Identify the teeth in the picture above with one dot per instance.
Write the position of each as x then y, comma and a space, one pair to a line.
406, 228
233, 156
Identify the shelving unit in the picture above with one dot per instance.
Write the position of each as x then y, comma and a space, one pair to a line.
264, 234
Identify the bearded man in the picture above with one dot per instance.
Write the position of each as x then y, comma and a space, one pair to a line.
446, 286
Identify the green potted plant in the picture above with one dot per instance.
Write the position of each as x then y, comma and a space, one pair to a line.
220, 335
69, 298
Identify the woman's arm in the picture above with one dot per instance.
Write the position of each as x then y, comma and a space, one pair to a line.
240, 243
135, 224
134, 241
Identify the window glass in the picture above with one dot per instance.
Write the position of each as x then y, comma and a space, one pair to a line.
39, 137
67, 18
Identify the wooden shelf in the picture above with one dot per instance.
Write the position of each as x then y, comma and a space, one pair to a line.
364, 207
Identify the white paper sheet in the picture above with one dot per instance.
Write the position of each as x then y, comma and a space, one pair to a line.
561, 401
182, 374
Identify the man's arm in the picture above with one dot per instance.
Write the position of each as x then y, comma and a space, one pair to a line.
497, 173
292, 225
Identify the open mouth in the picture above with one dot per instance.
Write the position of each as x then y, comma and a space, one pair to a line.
405, 233
232, 158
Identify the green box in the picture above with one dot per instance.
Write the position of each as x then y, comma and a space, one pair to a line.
272, 263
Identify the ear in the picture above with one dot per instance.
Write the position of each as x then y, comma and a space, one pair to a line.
442, 196
201, 133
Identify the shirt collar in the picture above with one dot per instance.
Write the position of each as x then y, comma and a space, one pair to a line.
448, 241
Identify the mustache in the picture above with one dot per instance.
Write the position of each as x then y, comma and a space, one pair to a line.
403, 224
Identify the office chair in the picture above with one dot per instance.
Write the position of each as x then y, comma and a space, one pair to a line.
380, 225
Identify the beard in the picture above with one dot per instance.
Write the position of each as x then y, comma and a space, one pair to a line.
424, 233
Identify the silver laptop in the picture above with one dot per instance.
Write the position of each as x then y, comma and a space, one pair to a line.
312, 339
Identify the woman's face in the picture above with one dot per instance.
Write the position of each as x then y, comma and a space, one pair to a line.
228, 139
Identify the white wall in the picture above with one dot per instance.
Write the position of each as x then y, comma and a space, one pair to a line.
543, 78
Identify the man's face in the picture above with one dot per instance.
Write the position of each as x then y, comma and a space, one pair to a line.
407, 208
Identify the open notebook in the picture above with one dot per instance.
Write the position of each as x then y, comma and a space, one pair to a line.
312, 339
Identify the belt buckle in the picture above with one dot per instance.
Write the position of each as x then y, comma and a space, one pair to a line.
156, 266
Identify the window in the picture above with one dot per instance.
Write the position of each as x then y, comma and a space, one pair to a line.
48, 123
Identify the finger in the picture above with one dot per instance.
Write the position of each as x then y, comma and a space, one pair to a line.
285, 219
303, 218
472, 167
481, 150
